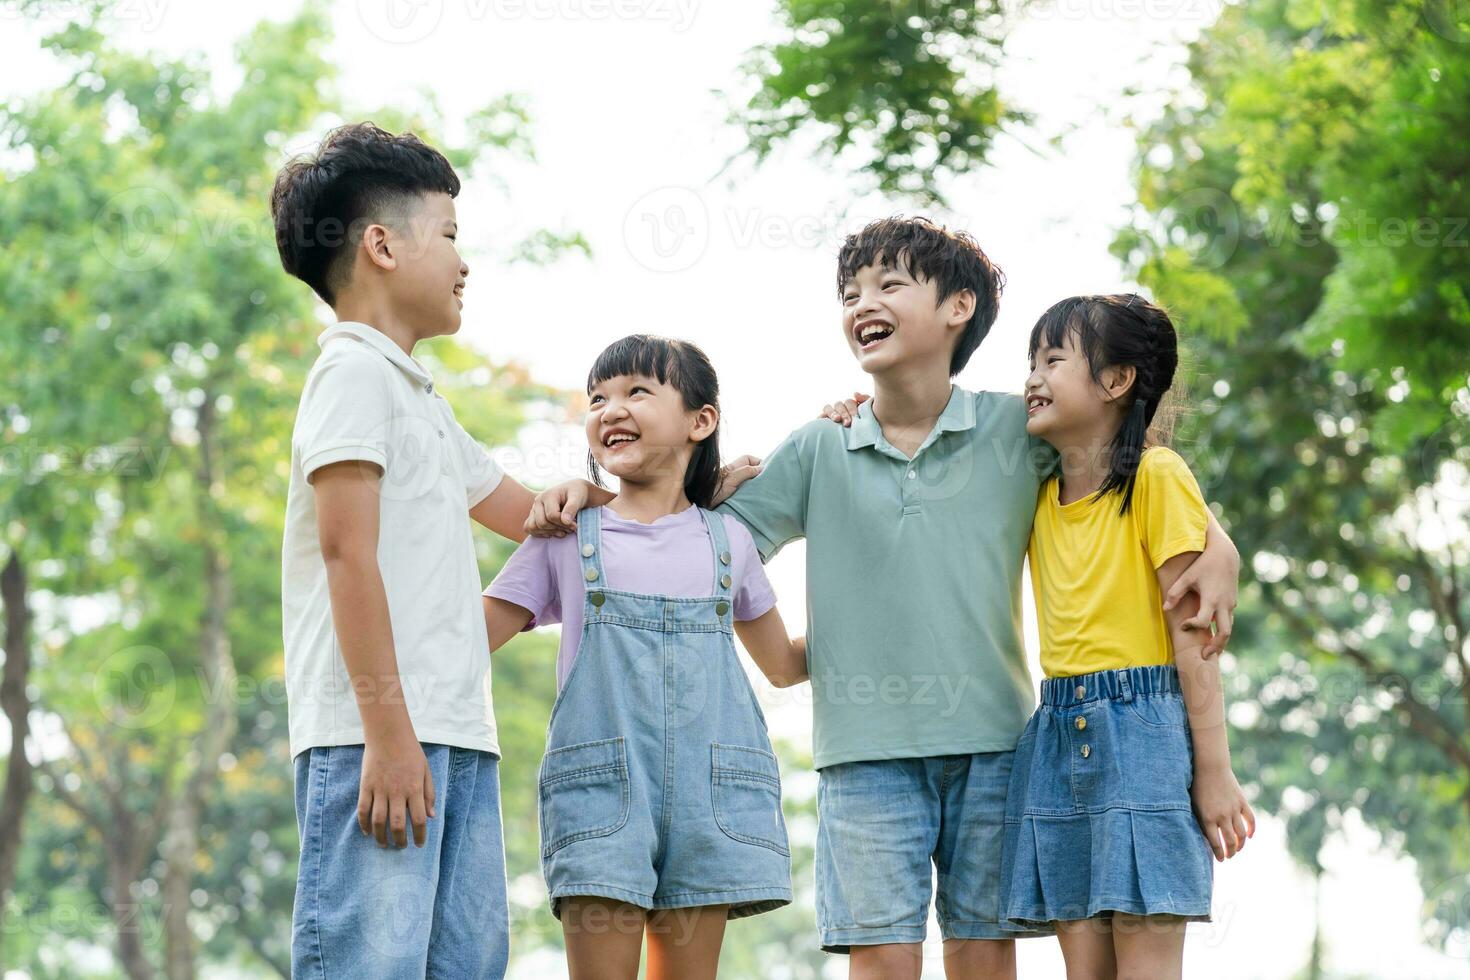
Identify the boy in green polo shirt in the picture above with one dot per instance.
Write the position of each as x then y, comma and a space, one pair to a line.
916, 521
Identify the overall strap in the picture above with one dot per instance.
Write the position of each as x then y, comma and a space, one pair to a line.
589, 547
724, 577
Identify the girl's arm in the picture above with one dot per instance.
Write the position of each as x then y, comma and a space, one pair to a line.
503, 620
780, 657
1220, 806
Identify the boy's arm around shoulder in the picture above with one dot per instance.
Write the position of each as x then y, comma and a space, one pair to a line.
1214, 576
773, 503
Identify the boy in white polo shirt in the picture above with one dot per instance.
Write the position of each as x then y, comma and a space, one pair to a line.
387, 660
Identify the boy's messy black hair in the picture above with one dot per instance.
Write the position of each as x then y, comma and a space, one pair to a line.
685, 368
952, 259
360, 175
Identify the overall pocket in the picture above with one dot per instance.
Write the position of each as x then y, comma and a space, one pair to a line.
584, 793
746, 791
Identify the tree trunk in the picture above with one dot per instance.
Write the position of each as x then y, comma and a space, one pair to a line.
217, 677
19, 776
128, 913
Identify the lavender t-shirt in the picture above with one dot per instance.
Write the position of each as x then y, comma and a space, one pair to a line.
672, 556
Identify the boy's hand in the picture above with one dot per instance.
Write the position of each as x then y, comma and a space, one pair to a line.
1222, 811
844, 411
734, 473
554, 512
1215, 578
396, 788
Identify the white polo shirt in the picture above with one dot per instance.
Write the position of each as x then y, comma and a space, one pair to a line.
365, 399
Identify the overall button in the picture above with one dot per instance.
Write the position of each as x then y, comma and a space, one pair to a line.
587, 550
597, 599
1086, 751
725, 580
1081, 723
724, 557
591, 575
1081, 692
912, 474
721, 608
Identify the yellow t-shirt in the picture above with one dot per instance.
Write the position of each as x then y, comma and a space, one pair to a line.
1093, 571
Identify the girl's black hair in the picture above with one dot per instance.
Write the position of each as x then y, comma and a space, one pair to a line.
1120, 330
684, 367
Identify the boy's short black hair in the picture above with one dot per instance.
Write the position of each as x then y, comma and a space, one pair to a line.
360, 175
952, 259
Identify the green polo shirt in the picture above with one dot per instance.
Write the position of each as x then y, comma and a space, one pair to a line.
913, 576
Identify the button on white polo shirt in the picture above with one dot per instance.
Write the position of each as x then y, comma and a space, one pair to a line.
365, 399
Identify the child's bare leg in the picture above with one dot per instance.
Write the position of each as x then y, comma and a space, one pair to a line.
886, 961
1149, 947
980, 959
1087, 947
604, 938
684, 944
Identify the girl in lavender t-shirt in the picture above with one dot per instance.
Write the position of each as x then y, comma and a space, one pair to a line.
660, 795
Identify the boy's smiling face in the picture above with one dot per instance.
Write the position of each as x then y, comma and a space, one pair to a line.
430, 288
892, 317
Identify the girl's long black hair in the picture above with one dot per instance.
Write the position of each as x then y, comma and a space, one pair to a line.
1116, 331
685, 368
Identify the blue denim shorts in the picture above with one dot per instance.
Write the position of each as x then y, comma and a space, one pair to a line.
389, 913
885, 826
1100, 818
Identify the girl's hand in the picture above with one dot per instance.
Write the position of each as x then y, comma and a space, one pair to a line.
736, 472
844, 411
554, 512
1222, 811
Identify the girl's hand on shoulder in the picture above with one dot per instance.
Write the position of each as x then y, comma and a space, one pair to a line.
554, 512
1222, 811
844, 411
734, 473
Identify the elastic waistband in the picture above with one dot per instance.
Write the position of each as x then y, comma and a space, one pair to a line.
1111, 685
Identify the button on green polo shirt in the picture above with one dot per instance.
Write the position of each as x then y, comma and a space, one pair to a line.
913, 576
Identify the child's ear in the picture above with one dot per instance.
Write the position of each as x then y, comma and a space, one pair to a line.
378, 248
706, 420
1118, 380
962, 307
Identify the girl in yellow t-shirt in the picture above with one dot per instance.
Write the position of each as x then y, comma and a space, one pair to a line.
1125, 762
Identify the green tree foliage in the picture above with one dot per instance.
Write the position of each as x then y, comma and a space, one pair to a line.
902, 88
1303, 210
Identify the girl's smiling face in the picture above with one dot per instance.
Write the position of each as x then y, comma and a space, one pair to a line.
1062, 396
638, 428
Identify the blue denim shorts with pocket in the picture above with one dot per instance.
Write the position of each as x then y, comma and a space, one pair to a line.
884, 827
1100, 817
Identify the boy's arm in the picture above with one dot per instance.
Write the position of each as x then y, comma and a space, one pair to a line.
396, 782
1215, 577
554, 512
1220, 806
505, 510
503, 620
780, 657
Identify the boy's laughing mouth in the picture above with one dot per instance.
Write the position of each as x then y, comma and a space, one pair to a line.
871, 332
1035, 403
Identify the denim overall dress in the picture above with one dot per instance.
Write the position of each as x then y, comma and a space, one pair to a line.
659, 786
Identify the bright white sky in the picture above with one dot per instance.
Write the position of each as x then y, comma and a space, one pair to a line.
629, 136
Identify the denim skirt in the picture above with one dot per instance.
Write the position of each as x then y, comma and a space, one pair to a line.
1098, 814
